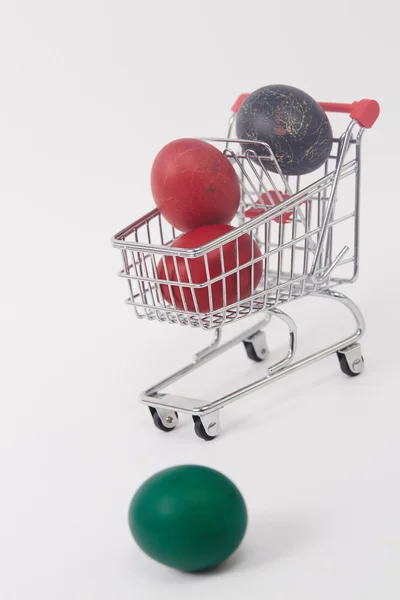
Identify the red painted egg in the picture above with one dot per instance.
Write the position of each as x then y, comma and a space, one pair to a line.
249, 277
194, 184
272, 200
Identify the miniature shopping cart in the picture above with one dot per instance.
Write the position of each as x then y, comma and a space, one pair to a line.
307, 229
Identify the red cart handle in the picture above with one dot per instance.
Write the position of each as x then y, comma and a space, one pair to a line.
239, 102
365, 112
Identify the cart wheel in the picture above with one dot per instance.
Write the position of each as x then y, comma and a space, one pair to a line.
256, 347
164, 421
200, 430
353, 368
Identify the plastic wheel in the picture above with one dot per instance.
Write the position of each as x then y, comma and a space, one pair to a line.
344, 365
251, 353
200, 431
157, 420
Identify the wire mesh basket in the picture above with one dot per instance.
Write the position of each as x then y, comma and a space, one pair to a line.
292, 220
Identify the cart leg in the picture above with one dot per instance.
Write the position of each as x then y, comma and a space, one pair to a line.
213, 346
292, 341
350, 305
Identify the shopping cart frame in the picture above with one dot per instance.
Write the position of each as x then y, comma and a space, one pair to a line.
318, 281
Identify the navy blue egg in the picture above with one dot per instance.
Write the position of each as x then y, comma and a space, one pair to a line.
291, 122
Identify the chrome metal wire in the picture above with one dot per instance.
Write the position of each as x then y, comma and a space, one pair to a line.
305, 245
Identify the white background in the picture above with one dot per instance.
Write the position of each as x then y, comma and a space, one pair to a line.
89, 92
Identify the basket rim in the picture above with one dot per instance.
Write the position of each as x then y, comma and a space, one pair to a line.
119, 239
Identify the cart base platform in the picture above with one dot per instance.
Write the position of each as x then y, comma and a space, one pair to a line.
165, 408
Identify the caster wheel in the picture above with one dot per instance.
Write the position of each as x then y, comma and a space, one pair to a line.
256, 347
251, 353
355, 369
162, 420
200, 430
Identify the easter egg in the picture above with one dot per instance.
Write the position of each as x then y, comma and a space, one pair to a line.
291, 122
194, 184
237, 286
188, 517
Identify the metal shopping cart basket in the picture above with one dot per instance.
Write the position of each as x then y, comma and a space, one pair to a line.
307, 229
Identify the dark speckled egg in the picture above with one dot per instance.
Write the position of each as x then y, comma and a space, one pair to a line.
291, 122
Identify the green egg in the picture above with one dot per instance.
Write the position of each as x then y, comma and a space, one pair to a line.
188, 517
